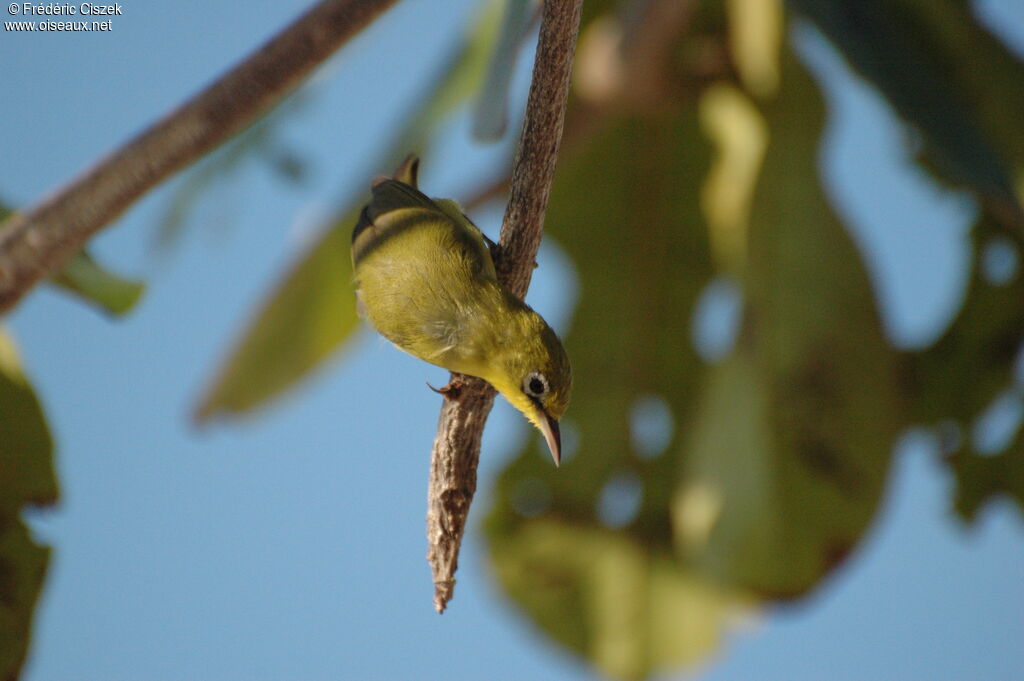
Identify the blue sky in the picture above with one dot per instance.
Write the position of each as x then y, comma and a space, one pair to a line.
293, 546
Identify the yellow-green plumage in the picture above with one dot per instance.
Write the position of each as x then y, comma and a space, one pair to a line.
426, 281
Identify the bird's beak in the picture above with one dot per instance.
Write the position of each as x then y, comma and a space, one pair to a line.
549, 427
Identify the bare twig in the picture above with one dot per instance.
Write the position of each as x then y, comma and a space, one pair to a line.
460, 426
38, 242
534, 167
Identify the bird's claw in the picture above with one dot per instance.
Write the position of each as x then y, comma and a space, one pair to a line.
450, 391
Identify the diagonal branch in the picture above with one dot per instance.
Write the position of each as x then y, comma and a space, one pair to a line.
456, 450
38, 242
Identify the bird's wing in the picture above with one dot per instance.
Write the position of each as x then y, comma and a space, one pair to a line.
397, 207
477, 240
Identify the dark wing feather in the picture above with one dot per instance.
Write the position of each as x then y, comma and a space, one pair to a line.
390, 196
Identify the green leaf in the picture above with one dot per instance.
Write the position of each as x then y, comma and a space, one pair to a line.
789, 451
87, 279
23, 566
981, 479
962, 372
628, 609
924, 56
26, 473
627, 210
305, 318
955, 380
311, 313
26, 478
768, 467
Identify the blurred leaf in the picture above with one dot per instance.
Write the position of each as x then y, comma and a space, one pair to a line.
926, 57
981, 479
923, 55
22, 573
86, 278
287, 163
955, 380
26, 478
609, 585
740, 135
996, 100
26, 475
603, 594
312, 312
755, 38
962, 372
772, 463
491, 116
790, 447
307, 316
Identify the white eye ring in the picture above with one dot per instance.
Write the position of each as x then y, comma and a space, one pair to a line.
535, 385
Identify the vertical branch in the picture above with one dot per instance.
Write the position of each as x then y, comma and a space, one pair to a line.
533, 169
460, 427
453, 463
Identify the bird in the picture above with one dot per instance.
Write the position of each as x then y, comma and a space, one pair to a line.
425, 280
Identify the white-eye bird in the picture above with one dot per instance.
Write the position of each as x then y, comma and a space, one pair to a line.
426, 281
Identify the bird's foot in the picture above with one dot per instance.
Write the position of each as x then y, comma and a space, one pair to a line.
450, 391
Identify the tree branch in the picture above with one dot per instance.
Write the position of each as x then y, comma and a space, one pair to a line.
38, 242
456, 449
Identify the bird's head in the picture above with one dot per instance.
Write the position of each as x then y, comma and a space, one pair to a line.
533, 372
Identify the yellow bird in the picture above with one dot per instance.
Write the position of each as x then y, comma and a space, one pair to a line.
426, 281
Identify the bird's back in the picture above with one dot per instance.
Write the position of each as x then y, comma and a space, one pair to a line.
421, 270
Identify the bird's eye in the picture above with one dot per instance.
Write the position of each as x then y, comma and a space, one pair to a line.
535, 384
